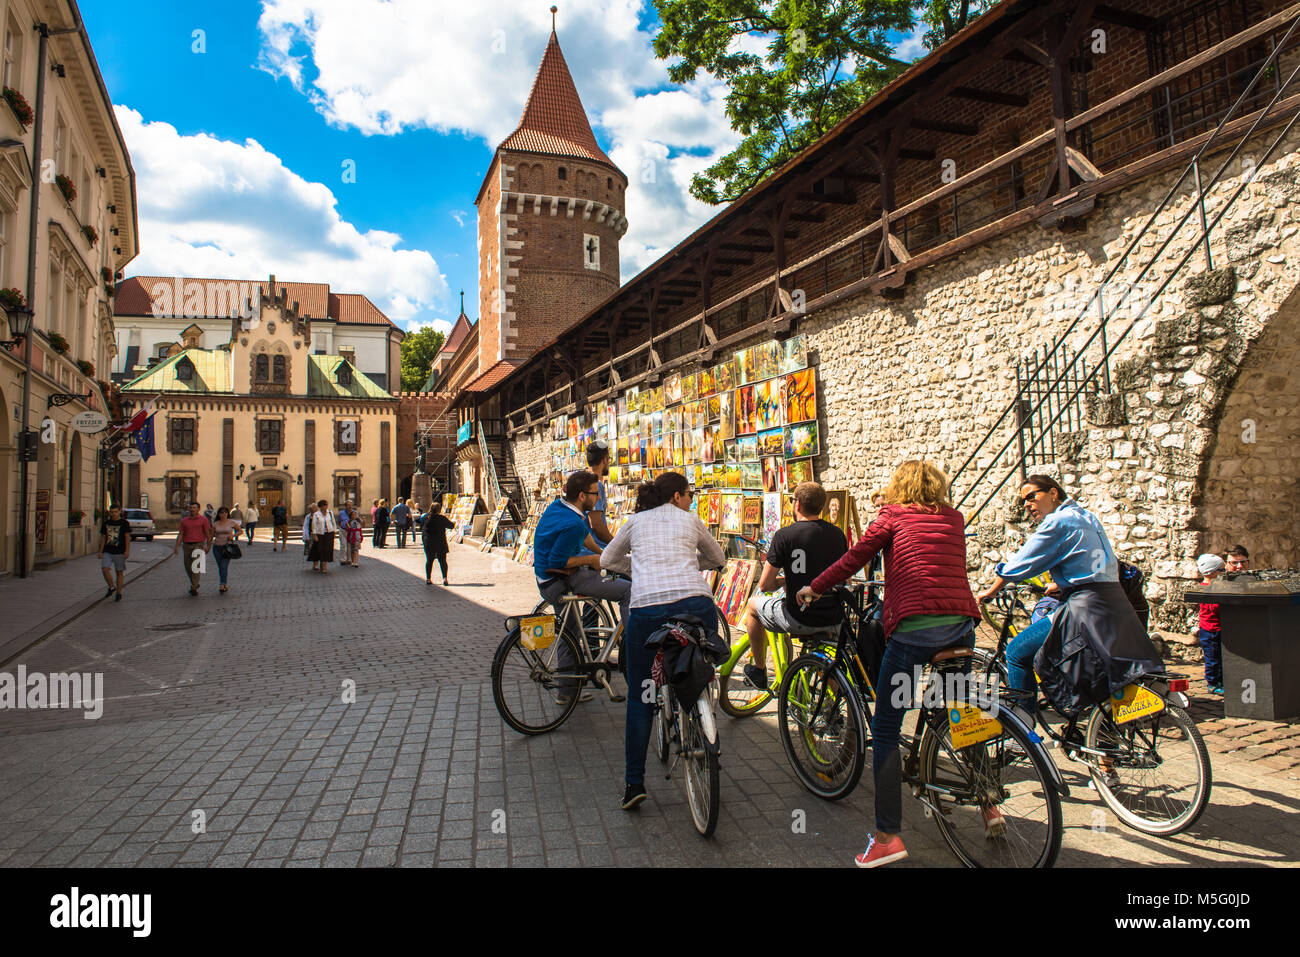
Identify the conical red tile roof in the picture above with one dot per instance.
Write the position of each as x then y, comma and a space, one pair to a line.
554, 120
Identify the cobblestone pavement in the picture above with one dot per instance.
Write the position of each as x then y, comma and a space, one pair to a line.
231, 705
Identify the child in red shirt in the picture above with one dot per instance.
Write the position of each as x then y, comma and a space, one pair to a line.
1209, 632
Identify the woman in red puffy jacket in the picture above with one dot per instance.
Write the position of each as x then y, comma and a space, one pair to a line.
928, 607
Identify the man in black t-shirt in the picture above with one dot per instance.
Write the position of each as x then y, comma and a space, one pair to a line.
114, 549
279, 527
800, 552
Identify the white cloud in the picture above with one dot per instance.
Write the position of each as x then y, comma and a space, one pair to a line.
215, 208
912, 47
459, 215
382, 67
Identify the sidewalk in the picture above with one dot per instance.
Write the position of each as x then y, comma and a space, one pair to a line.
47, 600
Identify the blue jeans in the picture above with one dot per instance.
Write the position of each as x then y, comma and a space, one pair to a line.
641, 624
893, 698
219, 553
1020, 656
1212, 645
401, 536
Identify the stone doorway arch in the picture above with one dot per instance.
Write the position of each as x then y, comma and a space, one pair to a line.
263, 483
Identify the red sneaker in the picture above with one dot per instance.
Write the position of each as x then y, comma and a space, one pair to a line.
877, 853
995, 825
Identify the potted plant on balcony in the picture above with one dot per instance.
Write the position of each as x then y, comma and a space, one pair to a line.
86, 368
92, 237
66, 187
12, 298
57, 342
75, 515
18, 103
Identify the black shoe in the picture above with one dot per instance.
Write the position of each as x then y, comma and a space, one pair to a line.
756, 676
119, 597
109, 592
194, 591
633, 795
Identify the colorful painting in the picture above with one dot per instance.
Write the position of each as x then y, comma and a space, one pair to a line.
719, 446
727, 419
771, 514
769, 399
690, 387
787, 510
837, 509
773, 473
801, 440
679, 449
673, 419
745, 367
751, 476
801, 396
713, 409
672, 389
752, 510
724, 376
766, 360
715, 507
771, 442
697, 447
734, 586
746, 410
794, 356
747, 448
796, 472
708, 382
732, 477
731, 453
731, 521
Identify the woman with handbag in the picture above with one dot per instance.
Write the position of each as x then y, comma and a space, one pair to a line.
225, 532
323, 528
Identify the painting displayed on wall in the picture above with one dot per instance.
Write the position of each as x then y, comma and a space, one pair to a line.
801, 440
732, 505
747, 448
690, 387
719, 446
794, 356
752, 510
672, 389
787, 510
697, 446
745, 367
766, 359
734, 586
796, 472
837, 509
773, 473
715, 507
724, 376
771, 514
727, 419
751, 476
708, 382
712, 409
771, 442
801, 397
769, 399
746, 410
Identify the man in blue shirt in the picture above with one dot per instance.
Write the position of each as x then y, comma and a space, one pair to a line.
558, 560
598, 465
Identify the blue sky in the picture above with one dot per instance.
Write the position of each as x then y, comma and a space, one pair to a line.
242, 151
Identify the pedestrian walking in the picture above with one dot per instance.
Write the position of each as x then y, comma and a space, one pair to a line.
401, 518
324, 526
234, 513
381, 524
352, 535
306, 533
250, 521
193, 538
279, 526
210, 513
224, 535
434, 537
114, 549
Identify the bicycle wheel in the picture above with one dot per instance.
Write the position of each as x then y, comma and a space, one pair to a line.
529, 687
1158, 778
740, 699
703, 771
828, 748
960, 785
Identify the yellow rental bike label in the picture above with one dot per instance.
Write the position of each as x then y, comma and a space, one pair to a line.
537, 632
969, 725
1134, 702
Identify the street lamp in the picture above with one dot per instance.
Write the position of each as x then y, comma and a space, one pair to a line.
20, 324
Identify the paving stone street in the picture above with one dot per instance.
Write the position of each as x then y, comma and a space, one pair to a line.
232, 705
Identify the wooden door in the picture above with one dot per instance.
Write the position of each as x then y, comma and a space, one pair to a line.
269, 493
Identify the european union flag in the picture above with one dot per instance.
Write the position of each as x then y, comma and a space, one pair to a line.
144, 439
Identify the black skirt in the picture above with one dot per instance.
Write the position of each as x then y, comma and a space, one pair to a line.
322, 548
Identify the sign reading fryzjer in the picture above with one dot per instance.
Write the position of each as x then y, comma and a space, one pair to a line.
90, 422
129, 455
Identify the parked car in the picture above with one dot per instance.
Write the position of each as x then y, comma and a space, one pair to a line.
141, 523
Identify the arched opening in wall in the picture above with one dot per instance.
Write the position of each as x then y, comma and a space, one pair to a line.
75, 477
404, 489
44, 523
1251, 482
7, 464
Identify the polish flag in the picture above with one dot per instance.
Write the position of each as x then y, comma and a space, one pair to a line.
139, 418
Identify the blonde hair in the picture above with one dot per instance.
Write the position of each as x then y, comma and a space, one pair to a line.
917, 482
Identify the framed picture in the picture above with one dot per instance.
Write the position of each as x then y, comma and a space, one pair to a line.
724, 376
751, 476
773, 473
731, 453
708, 382
766, 360
837, 509
719, 446
747, 448
752, 510
746, 410
690, 387
798, 471
673, 389
715, 507
801, 441
712, 409
769, 399
794, 355
732, 476
801, 396
745, 367
771, 514
771, 442
787, 510
732, 506
726, 417
697, 446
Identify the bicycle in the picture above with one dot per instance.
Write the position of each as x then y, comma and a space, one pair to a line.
695, 732
963, 759
532, 693
1144, 754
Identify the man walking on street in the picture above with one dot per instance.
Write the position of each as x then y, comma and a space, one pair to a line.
279, 526
401, 517
195, 531
250, 521
114, 549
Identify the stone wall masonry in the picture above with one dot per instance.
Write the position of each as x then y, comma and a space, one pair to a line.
1161, 459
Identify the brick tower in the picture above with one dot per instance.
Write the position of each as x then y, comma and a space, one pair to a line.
550, 215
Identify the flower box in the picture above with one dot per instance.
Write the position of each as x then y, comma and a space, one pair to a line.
18, 103
91, 235
74, 517
86, 368
57, 342
66, 187
12, 298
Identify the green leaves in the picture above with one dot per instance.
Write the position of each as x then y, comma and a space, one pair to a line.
419, 349
795, 68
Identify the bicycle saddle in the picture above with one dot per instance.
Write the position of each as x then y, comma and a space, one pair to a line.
950, 653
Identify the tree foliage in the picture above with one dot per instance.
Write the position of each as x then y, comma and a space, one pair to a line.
823, 59
419, 349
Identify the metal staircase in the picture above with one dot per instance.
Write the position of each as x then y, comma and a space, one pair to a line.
1054, 385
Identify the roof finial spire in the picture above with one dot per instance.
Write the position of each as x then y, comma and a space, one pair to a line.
553, 9
462, 302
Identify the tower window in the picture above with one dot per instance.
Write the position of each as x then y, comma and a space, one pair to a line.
609, 182
563, 173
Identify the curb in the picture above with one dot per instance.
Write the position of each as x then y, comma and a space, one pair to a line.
15, 646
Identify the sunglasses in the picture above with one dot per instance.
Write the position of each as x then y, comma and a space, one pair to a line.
1032, 495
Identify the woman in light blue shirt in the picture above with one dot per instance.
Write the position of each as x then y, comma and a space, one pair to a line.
1071, 544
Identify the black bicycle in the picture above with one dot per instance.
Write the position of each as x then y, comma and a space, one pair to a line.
977, 769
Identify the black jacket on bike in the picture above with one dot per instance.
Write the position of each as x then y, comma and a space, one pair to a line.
1096, 647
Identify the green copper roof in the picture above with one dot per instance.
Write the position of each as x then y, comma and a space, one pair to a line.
323, 379
211, 374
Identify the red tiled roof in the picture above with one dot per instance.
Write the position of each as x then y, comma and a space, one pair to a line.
354, 309
554, 120
490, 378
459, 330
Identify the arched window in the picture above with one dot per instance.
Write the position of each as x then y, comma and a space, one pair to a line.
280, 368
262, 368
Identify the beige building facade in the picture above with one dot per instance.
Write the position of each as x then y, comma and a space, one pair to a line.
260, 419
75, 182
